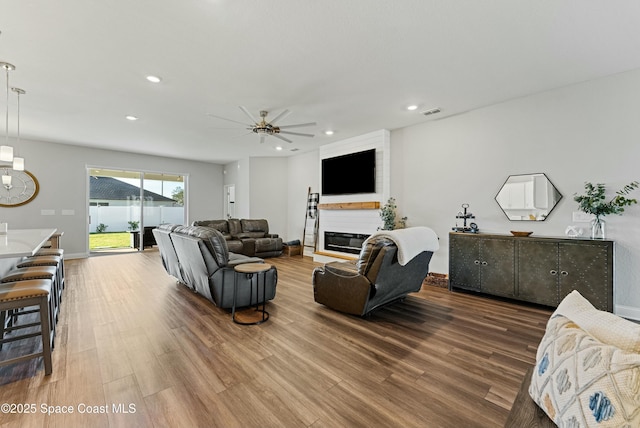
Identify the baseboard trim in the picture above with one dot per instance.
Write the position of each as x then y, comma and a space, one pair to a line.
70, 256
628, 312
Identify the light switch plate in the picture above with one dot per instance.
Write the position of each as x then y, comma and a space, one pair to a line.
582, 217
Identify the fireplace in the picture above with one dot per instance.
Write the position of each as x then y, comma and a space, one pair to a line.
344, 242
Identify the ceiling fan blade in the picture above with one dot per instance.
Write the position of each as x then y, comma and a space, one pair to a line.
296, 133
230, 120
249, 115
282, 115
299, 125
261, 139
241, 135
281, 138
218, 127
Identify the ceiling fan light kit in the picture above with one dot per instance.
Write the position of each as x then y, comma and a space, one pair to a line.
265, 128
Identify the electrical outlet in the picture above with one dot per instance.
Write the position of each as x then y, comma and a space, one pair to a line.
582, 217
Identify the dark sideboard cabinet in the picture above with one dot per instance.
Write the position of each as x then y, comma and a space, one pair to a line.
532, 269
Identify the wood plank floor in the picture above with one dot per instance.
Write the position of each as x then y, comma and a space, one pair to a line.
131, 339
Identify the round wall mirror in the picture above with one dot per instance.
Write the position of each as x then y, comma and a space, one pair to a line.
528, 197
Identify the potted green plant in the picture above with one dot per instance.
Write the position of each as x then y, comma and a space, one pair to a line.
594, 202
388, 216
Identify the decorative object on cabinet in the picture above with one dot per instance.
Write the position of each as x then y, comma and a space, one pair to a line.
465, 215
528, 197
593, 202
534, 269
388, 216
520, 233
573, 231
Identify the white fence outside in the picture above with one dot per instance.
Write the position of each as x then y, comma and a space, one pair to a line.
116, 218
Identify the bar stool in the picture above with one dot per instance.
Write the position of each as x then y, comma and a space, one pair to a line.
52, 252
21, 294
38, 272
46, 260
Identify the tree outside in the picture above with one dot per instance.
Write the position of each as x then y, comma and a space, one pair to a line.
178, 195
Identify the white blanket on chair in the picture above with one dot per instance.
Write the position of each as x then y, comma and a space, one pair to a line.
410, 241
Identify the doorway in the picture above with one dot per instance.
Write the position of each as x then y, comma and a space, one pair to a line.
124, 207
229, 201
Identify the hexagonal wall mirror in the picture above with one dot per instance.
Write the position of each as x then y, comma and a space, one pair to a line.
528, 197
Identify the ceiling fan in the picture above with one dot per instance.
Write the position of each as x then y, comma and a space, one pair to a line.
269, 129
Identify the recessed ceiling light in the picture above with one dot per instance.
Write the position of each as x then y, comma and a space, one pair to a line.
131, 118
278, 147
154, 79
412, 107
328, 132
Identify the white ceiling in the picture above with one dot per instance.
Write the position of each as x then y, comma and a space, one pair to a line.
350, 65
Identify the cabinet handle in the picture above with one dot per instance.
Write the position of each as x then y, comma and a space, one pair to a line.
553, 272
564, 272
484, 263
476, 262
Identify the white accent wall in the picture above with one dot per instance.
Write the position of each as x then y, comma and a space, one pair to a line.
356, 221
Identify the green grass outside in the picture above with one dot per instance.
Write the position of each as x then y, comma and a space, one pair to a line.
109, 240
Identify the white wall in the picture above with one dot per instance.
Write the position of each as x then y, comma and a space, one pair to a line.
303, 173
585, 132
61, 172
268, 177
243, 189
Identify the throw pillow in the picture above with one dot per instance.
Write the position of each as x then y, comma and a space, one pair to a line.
582, 381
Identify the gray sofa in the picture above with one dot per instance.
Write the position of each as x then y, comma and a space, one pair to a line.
376, 279
250, 237
199, 258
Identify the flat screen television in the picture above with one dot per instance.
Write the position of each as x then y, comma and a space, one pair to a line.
349, 174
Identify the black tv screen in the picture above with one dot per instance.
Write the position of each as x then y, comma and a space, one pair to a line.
349, 174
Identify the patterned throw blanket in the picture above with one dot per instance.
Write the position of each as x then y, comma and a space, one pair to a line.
410, 241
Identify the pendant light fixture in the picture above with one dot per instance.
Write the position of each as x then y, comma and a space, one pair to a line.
18, 162
6, 151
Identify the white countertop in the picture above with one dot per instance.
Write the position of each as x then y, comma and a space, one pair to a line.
23, 242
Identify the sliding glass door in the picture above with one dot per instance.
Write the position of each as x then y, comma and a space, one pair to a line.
124, 206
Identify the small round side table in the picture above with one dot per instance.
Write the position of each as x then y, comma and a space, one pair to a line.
250, 269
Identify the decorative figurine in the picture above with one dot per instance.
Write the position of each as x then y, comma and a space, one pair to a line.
465, 215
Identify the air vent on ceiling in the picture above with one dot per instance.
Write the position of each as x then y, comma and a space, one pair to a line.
294, 150
431, 111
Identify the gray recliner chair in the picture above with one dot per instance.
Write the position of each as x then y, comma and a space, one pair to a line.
374, 280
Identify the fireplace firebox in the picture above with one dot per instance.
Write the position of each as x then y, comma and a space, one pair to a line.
344, 242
